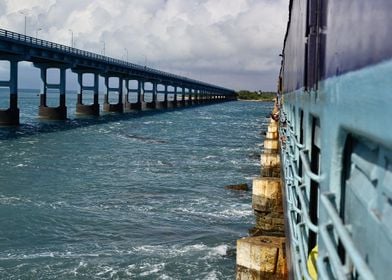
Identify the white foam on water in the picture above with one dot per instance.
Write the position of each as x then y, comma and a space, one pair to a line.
200, 250
220, 250
211, 276
208, 157
12, 200
151, 268
80, 265
106, 269
67, 255
238, 211
129, 269
165, 277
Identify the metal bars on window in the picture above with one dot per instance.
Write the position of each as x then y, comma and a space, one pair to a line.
329, 262
330, 232
297, 197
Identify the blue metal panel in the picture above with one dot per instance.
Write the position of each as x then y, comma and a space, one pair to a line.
359, 33
354, 226
294, 50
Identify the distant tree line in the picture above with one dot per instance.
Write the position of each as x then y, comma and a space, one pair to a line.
256, 95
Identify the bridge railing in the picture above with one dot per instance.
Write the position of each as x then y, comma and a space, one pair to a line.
70, 50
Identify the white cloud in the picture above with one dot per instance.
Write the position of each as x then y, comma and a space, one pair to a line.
207, 39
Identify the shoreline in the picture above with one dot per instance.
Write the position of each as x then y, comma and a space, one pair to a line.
255, 100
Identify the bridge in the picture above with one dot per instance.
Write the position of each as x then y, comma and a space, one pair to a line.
147, 83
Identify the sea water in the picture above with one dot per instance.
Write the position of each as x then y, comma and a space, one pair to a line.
133, 196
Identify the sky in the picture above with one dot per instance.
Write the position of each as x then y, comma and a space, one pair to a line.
231, 43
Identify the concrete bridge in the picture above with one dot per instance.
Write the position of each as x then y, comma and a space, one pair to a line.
128, 78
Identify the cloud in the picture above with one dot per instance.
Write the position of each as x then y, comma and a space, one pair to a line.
204, 39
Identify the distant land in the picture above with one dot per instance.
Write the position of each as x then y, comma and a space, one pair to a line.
256, 95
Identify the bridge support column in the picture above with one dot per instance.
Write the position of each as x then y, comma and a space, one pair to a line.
173, 104
117, 107
197, 97
52, 113
138, 105
87, 109
161, 104
262, 256
190, 98
182, 103
152, 105
165, 98
10, 116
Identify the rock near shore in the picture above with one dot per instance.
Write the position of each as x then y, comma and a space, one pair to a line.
238, 187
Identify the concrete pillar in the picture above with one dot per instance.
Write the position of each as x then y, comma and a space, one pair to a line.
116, 107
196, 98
203, 98
165, 98
10, 116
84, 109
173, 104
161, 104
152, 105
268, 207
138, 105
182, 103
261, 258
190, 97
52, 113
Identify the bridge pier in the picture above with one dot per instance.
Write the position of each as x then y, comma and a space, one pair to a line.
182, 102
10, 116
152, 104
44, 111
119, 106
165, 98
138, 105
173, 104
190, 98
161, 104
87, 109
197, 97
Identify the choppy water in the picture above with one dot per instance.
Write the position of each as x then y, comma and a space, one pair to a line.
132, 197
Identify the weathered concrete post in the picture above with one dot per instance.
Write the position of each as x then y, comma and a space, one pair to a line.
127, 104
201, 98
262, 256
161, 104
152, 105
181, 103
165, 97
81, 108
142, 104
196, 97
119, 106
52, 113
10, 116
173, 103
190, 97
175, 100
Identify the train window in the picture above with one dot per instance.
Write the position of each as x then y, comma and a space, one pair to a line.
315, 44
314, 186
366, 202
301, 138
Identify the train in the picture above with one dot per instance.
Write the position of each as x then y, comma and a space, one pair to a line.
335, 101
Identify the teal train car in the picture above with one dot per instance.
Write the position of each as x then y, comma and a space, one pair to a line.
335, 94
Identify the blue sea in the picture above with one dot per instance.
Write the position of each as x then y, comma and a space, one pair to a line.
132, 196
